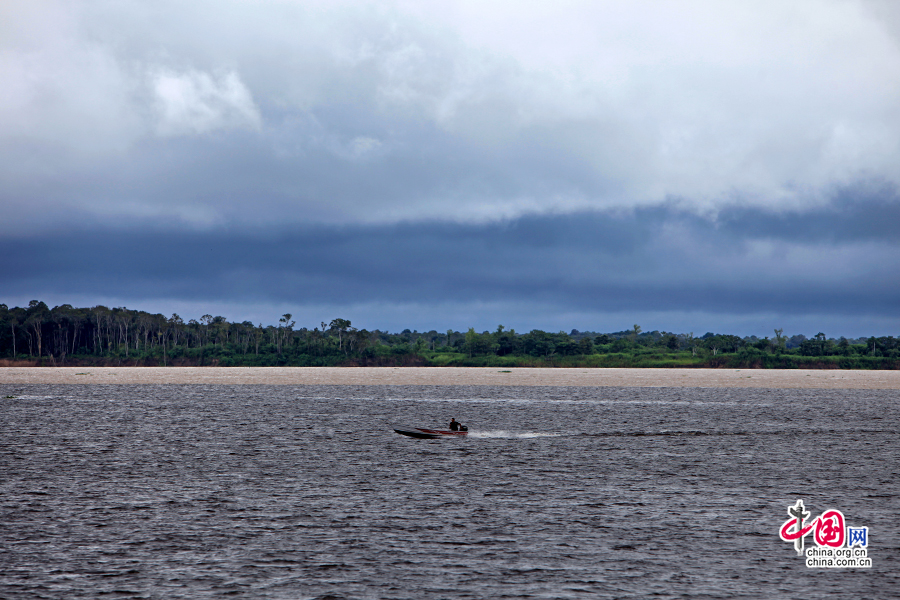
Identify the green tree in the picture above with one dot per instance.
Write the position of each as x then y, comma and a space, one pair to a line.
287, 328
538, 343
780, 340
176, 324
206, 320
36, 314
691, 343
635, 333
585, 346
341, 326
476, 343
670, 341
505, 342
764, 344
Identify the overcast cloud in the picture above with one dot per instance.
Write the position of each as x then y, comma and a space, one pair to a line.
698, 164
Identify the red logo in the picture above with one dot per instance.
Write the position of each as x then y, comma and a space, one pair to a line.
830, 529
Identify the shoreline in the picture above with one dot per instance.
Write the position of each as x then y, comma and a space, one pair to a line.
576, 377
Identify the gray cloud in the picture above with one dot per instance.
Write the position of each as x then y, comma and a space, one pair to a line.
348, 112
670, 158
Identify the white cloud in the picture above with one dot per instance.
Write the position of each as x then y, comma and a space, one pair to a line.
58, 91
358, 149
455, 110
195, 102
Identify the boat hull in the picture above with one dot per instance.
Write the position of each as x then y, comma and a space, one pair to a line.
429, 434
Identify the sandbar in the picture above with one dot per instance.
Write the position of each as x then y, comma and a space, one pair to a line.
702, 378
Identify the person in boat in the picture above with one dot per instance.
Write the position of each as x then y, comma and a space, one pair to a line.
457, 426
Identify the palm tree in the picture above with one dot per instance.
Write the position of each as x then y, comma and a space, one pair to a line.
635, 333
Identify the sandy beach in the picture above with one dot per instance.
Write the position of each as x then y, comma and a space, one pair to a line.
704, 378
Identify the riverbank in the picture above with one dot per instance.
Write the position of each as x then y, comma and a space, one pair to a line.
703, 378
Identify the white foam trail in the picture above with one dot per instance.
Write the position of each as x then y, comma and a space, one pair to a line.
502, 433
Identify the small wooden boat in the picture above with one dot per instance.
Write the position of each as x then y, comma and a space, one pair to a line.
429, 434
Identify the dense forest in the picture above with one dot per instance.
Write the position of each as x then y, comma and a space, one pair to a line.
68, 336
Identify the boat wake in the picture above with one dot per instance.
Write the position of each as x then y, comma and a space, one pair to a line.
502, 433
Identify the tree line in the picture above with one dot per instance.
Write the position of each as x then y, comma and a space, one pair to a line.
65, 335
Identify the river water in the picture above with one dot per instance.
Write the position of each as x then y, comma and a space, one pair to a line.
302, 492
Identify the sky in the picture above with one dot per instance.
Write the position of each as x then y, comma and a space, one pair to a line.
686, 166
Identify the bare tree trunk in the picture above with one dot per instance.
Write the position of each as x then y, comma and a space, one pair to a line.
36, 325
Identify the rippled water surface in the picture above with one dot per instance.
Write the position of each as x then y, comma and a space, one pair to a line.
306, 492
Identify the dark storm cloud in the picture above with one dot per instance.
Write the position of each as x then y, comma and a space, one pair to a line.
866, 212
652, 259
